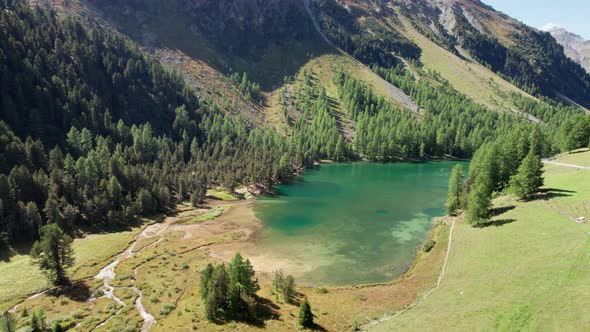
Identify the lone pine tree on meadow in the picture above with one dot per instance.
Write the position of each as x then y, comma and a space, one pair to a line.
53, 253
305, 315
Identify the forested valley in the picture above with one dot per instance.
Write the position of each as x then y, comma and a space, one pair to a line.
95, 132
227, 164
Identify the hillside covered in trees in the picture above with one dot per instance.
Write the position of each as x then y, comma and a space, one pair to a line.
95, 132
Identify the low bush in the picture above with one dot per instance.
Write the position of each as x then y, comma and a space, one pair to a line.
167, 309
321, 290
428, 245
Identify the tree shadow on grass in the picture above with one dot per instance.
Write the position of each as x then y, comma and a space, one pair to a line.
495, 223
501, 210
5, 255
549, 193
317, 327
545, 190
265, 310
77, 291
578, 151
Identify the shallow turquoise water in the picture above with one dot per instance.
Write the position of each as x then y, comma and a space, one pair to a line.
353, 223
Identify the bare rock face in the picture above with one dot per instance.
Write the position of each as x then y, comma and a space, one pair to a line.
575, 46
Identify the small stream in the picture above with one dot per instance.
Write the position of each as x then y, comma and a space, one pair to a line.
13, 309
108, 274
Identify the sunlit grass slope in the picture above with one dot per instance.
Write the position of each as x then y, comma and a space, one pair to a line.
527, 272
465, 75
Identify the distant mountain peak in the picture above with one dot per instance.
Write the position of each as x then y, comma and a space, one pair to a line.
575, 46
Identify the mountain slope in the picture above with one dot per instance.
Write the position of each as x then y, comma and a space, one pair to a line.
575, 46
112, 111
259, 37
530, 59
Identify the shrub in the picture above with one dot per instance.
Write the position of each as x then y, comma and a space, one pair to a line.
321, 290
77, 314
428, 245
63, 300
167, 309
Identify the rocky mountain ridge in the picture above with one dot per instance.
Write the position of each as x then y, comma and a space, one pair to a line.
576, 47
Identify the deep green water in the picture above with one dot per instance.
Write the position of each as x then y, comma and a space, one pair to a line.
353, 223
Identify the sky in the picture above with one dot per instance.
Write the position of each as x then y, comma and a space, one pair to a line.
573, 15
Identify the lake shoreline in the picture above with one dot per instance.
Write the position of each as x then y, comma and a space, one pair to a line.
252, 227
361, 302
357, 214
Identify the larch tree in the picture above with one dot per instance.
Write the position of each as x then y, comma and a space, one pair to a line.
529, 177
53, 253
455, 190
305, 315
480, 198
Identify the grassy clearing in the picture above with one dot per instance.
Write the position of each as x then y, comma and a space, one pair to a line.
94, 250
579, 157
205, 216
221, 195
19, 278
529, 271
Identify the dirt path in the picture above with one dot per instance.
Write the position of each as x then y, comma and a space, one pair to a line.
426, 295
546, 161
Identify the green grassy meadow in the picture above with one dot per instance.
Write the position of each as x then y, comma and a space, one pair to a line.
527, 271
19, 278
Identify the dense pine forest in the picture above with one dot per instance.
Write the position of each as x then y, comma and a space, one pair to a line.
95, 132
369, 42
136, 135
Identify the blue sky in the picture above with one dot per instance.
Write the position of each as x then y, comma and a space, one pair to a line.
573, 15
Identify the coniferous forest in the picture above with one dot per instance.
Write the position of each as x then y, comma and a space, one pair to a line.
95, 132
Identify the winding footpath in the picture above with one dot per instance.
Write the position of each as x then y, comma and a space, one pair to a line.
547, 161
425, 296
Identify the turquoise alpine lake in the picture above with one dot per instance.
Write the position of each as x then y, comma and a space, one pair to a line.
344, 224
